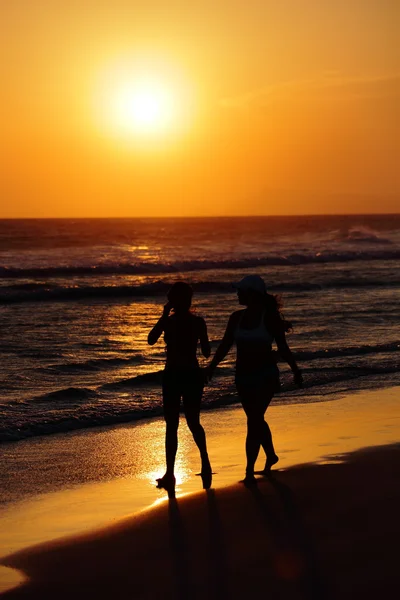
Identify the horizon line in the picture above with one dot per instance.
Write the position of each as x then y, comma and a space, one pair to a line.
237, 216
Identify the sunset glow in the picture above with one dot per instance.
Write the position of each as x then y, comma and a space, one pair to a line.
141, 107
199, 110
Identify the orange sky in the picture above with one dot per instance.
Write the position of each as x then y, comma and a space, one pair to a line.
283, 107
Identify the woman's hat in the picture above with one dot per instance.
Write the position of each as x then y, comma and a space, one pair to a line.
251, 282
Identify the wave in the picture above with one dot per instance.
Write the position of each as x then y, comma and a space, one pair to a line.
79, 408
147, 268
160, 288
349, 351
73, 293
98, 364
153, 377
365, 235
69, 395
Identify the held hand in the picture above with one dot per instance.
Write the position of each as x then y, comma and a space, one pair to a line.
208, 373
298, 378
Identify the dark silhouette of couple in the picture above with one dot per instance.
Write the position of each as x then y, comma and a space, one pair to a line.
253, 330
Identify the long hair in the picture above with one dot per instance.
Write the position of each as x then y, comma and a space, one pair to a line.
273, 305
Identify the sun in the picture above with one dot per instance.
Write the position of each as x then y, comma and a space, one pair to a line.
144, 106
145, 102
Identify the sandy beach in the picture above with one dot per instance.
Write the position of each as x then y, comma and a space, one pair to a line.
323, 526
200, 203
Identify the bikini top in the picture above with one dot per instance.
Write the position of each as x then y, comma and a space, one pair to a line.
259, 334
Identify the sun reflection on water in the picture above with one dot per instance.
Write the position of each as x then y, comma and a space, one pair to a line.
182, 474
182, 470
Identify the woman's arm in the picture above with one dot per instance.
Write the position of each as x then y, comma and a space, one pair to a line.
287, 355
204, 341
226, 343
158, 328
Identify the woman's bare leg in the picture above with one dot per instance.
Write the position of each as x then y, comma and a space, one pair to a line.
171, 402
192, 413
255, 402
199, 436
171, 444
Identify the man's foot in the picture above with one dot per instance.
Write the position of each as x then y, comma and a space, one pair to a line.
167, 483
271, 461
206, 474
249, 480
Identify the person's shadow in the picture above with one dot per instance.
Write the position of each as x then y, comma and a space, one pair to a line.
205, 548
296, 556
180, 549
218, 569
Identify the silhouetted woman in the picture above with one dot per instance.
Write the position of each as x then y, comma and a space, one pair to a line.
182, 377
257, 376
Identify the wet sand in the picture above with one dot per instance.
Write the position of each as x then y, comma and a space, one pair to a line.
314, 531
325, 529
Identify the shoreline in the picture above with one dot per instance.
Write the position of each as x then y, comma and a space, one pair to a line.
292, 396
72, 443
110, 473
301, 533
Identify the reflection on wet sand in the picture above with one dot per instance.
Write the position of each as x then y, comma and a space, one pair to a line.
102, 475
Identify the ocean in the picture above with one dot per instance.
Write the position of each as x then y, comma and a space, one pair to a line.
78, 298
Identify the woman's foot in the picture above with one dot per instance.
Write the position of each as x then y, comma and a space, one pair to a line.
249, 480
167, 483
271, 461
